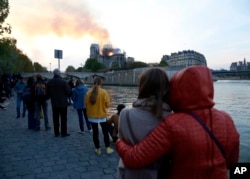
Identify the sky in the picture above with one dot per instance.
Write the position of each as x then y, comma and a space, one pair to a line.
144, 29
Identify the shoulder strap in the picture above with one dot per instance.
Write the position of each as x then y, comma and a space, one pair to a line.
209, 132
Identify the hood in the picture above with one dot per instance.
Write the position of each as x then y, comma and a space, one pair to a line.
191, 88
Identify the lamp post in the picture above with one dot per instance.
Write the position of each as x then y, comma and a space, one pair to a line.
50, 67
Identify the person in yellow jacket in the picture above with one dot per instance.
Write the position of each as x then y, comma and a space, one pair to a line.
97, 101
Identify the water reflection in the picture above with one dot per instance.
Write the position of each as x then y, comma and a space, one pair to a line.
121, 95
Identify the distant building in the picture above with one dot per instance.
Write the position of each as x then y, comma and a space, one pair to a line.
111, 57
185, 58
240, 66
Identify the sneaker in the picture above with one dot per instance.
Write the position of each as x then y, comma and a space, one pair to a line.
48, 128
80, 132
18, 116
23, 115
109, 150
98, 151
90, 131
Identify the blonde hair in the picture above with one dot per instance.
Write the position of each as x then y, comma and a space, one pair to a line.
94, 92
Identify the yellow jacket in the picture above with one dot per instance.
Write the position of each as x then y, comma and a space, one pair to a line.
99, 109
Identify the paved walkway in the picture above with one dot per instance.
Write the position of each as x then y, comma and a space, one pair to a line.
27, 154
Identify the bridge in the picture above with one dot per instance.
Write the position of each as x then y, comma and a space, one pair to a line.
50, 75
131, 77
232, 74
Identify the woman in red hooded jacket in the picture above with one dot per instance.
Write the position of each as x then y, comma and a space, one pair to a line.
193, 152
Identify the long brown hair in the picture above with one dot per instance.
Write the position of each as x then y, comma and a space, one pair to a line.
94, 92
154, 85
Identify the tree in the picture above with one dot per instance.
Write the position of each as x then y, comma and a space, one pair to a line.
93, 65
79, 69
4, 12
137, 64
70, 69
163, 63
39, 68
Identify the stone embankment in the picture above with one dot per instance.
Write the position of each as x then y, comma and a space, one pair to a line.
124, 77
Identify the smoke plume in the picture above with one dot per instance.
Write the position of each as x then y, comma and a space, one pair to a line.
63, 18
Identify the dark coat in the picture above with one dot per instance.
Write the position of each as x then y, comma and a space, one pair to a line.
58, 91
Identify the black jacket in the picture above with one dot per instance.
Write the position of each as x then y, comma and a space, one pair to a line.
58, 91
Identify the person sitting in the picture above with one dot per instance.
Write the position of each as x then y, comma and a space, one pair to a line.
113, 122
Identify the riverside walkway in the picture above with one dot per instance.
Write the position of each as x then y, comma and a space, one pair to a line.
32, 154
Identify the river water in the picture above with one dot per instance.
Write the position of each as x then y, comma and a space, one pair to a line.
232, 96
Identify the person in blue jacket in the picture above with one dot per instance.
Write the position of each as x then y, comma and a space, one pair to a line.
78, 95
19, 87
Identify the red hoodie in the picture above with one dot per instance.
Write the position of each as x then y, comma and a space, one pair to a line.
192, 151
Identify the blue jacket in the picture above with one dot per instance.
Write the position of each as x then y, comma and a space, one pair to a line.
78, 95
20, 87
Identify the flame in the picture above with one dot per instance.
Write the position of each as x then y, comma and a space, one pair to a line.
110, 53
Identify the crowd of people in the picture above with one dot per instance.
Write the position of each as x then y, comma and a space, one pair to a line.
33, 93
7, 85
171, 131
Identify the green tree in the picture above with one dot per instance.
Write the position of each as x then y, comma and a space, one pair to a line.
93, 65
163, 63
70, 69
80, 69
4, 12
39, 68
137, 64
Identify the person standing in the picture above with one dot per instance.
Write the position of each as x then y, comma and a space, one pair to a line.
41, 104
72, 86
200, 140
58, 91
148, 111
19, 87
78, 96
97, 101
28, 98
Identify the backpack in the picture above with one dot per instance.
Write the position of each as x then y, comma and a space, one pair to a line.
40, 90
27, 94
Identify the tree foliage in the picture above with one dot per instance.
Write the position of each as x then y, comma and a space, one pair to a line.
39, 68
93, 65
136, 64
12, 60
163, 63
79, 69
4, 12
70, 69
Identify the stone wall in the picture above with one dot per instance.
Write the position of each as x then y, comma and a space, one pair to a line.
124, 77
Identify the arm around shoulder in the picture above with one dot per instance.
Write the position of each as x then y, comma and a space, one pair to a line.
155, 145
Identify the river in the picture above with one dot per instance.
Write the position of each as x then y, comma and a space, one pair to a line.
232, 96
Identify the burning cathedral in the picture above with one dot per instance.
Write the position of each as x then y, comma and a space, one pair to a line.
111, 57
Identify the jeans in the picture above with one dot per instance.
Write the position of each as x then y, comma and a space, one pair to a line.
44, 106
80, 113
96, 134
57, 113
31, 116
19, 101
